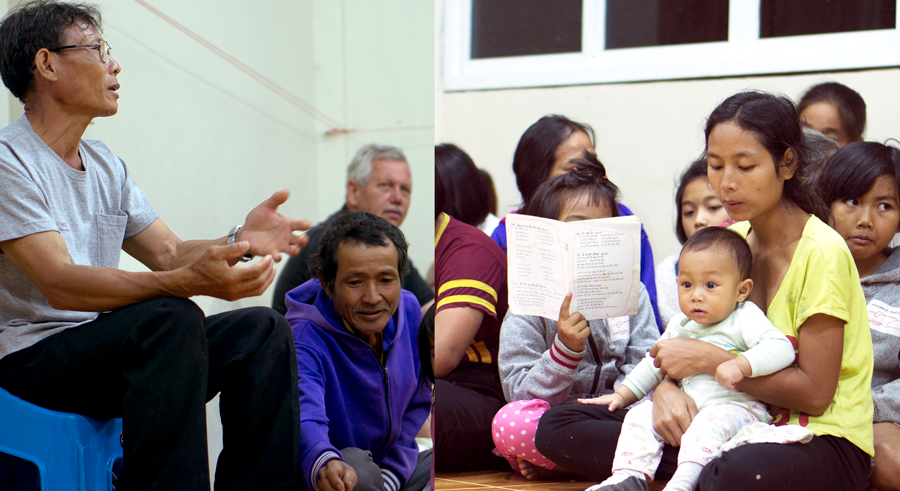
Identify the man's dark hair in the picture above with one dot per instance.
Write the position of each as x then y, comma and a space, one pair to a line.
722, 238
31, 27
356, 228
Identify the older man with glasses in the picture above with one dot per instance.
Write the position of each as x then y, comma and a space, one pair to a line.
79, 335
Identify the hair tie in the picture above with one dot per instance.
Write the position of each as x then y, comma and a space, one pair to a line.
575, 169
604, 177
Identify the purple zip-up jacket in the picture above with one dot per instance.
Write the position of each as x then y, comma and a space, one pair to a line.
347, 398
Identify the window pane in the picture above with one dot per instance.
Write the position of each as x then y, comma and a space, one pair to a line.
631, 24
800, 17
525, 27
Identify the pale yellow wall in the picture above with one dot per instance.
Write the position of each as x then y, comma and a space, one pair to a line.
374, 72
646, 132
206, 142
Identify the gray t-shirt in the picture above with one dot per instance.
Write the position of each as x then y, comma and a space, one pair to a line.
93, 210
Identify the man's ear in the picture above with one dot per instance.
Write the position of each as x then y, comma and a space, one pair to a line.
352, 198
788, 165
744, 289
44, 66
324, 286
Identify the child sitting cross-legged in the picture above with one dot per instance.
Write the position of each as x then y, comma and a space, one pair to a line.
713, 282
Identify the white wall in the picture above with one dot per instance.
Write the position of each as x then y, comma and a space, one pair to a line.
646, 132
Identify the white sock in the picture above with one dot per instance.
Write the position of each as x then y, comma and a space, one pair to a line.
685, 477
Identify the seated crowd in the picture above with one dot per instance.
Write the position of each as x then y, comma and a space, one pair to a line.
764, 357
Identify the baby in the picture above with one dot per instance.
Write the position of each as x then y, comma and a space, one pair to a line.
713, 282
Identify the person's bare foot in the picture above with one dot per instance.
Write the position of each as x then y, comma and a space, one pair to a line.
535, 472
527, 469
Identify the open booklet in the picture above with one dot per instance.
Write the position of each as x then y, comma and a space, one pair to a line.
599, 261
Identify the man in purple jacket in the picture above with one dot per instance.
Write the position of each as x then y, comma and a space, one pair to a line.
363, 398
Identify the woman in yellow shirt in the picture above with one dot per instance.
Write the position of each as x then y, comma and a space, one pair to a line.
806, 281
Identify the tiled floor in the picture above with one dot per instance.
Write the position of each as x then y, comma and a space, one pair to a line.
500, 481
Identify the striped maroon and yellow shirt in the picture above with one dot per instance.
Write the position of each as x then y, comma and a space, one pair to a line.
470, 271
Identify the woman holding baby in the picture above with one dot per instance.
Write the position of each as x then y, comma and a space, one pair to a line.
806, 282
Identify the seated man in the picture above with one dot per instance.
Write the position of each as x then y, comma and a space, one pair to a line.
79, 335
363, 396
378, 182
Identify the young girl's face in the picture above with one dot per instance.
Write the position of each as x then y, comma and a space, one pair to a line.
869, 223
742, 173
579, 207
700, 207
824, 118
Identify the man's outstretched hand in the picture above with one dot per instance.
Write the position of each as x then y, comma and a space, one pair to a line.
271, 233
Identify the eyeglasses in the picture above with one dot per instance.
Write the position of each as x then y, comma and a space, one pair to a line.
103, 48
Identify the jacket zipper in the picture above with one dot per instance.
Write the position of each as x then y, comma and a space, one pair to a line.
598, 365
387, 402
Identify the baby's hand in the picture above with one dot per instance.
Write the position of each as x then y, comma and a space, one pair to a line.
614, 401
729, 373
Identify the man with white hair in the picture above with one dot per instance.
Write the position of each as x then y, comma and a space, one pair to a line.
378, 182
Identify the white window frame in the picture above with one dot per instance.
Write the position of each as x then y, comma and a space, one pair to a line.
743, 54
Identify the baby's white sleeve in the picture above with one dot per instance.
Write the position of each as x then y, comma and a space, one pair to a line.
770, 350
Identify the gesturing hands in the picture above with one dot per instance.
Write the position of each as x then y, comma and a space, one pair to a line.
211, 274
270, 233
573, 330
337, 475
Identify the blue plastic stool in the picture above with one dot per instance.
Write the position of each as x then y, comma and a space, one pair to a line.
71, 451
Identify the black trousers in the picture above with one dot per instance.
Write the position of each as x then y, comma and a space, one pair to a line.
583, 440
155, 364
826, 462
369, 477
463, 413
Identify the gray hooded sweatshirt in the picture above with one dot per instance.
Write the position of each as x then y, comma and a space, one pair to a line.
535, 364
882, 290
